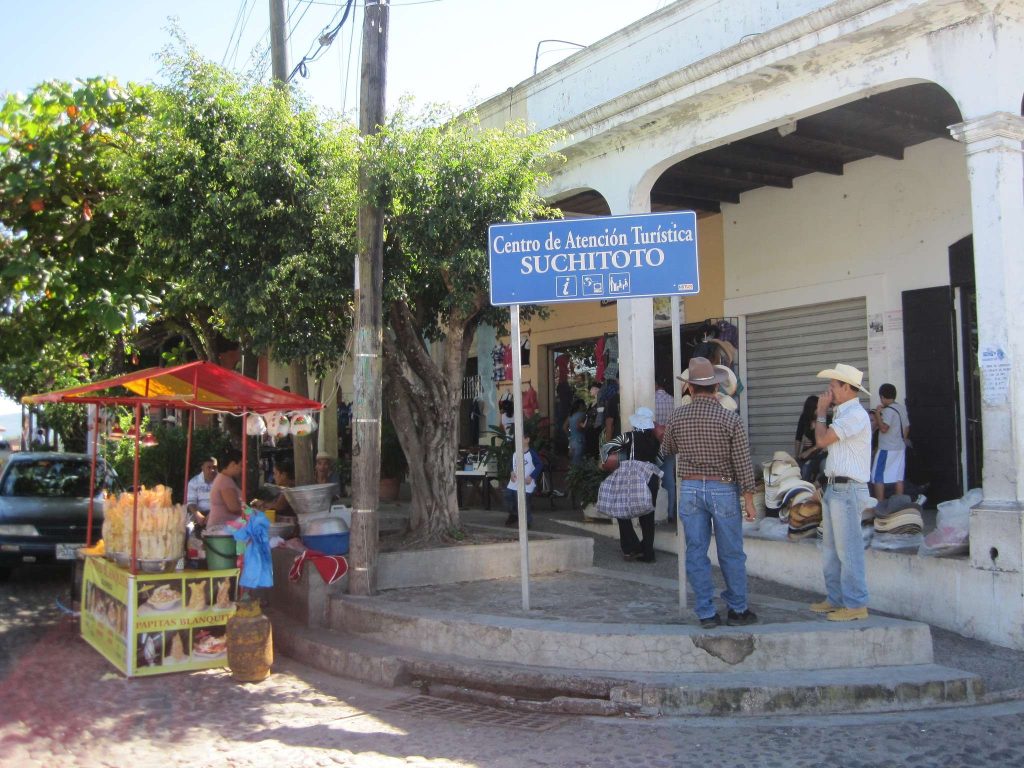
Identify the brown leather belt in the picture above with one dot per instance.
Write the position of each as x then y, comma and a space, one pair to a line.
713, 478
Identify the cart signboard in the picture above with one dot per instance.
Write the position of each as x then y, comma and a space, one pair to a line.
155, 623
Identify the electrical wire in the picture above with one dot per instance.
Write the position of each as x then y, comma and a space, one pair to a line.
234, 31
241, 31
323, 42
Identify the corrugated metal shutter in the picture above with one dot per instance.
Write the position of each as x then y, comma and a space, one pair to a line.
785, 349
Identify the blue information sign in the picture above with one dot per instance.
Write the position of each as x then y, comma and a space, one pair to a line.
609, 257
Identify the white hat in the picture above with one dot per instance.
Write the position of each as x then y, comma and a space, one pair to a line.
846, 374
642, 418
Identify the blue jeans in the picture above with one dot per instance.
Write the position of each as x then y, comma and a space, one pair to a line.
701, 503
668, 481
842, 548
512, 504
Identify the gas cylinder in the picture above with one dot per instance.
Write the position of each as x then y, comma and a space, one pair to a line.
250, 643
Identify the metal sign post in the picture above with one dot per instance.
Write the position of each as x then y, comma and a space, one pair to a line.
605, 257
677, 390
518, 463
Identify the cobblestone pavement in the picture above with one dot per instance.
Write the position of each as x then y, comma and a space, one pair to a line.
64, 705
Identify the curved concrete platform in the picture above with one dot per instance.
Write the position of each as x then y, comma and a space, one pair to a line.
601, 642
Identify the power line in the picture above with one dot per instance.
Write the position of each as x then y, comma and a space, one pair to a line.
238, 43
323, 42
234, 30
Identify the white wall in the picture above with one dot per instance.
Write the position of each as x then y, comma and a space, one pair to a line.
663, 42
882, 228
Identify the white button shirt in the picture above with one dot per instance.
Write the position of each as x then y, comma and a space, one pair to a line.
851, 456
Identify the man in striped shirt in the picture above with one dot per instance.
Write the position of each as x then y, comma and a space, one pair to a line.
713, 468
848, 440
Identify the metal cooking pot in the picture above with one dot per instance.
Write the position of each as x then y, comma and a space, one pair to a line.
324, 526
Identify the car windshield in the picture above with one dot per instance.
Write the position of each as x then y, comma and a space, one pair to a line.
62, 478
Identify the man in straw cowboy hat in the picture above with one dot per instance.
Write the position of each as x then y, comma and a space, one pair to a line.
712, 468
848, 440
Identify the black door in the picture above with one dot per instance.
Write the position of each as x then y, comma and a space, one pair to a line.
932, 399
961, 276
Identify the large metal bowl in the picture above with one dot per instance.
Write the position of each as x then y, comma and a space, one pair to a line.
311, 499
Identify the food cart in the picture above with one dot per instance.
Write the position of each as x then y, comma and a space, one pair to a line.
139, 612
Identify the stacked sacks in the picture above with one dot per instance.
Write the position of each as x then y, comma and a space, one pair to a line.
800, 508
782, 467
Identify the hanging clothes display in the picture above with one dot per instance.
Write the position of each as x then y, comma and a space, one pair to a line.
508, 362
498, 361
530, 404
599, 357
562, 365
524, 349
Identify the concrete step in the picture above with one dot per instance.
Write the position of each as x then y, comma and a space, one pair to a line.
538, 688
636, 648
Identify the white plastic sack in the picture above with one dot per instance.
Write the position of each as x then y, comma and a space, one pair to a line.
897, 542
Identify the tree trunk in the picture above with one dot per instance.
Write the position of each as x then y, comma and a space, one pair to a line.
423, 400
302, 447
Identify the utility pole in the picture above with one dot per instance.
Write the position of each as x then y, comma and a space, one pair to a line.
302, 451
278, 50
369, 283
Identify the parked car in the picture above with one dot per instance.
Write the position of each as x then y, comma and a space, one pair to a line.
44, 506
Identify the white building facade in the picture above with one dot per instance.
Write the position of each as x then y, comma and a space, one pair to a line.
863, 161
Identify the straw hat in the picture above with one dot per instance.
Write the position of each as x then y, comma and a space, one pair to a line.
728, 350
846, 374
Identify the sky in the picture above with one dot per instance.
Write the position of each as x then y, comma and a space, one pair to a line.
457, 52
450, 51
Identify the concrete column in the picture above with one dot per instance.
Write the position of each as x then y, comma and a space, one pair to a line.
995, 163
636, 332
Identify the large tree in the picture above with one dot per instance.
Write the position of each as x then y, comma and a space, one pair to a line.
246, 196
442, 182
71, 284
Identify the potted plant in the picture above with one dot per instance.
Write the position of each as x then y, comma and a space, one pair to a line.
583, 481
393, 464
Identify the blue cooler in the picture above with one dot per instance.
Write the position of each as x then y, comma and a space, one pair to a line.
329, 543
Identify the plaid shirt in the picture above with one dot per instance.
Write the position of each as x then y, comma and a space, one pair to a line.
664, 404
709, 440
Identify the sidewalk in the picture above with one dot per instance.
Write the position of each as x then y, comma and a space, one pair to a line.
1001, 669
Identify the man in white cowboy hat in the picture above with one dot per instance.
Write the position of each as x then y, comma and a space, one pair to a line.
848, 440
713, 468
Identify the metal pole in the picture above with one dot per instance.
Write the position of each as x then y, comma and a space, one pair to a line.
245, 458
92, 473
369, 282
517, 463
188, 455
677, 367
135, 485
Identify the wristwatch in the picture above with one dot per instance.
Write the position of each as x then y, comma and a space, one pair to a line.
822, 420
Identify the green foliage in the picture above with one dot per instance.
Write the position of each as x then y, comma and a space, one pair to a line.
442, 182
583, 481
70, 279
246, 198
164, 463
